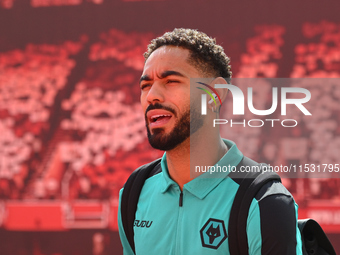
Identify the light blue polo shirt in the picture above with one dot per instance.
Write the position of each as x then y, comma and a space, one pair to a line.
199, 223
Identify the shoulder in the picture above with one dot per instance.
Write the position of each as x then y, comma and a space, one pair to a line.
274, 213
277, 213
272, 188
152, 168
276, 203
145, 171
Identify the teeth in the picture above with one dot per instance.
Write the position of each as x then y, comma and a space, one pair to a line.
161, 115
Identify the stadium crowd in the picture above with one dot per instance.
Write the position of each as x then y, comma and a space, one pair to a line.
29, 82
101, 137
108, 131
320, 59
260, 60
125, 47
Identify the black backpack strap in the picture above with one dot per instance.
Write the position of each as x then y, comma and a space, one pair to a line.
250, 183
240, 178
130, 196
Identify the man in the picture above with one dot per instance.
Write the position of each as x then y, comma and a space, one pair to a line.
191, 216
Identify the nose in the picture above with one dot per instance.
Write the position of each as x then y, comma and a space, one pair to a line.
155, 93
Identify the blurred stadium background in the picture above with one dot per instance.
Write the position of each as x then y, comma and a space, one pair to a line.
72, 129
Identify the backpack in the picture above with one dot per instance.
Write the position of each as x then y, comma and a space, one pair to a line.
314, 240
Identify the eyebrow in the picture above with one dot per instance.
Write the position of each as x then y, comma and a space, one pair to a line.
162, 76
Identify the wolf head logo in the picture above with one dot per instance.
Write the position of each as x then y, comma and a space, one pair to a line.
213, 233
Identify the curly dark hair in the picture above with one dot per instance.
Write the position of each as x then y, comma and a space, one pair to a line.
205, 55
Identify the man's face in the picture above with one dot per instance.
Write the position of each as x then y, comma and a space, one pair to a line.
165, 97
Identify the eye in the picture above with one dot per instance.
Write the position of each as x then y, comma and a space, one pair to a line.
144, 86
172, 81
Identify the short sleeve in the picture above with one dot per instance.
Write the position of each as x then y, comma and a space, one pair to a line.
272, 223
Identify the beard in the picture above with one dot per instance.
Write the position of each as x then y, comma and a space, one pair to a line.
181, 131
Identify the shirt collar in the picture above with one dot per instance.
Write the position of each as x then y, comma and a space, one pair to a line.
206, 182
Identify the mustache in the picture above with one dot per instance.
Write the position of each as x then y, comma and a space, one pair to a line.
159, 106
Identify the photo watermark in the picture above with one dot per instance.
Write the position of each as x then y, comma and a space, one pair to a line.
292, 125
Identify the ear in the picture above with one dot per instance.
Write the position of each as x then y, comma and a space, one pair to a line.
222, 92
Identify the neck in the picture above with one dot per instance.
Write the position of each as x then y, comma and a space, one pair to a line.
201, 150
178, 161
